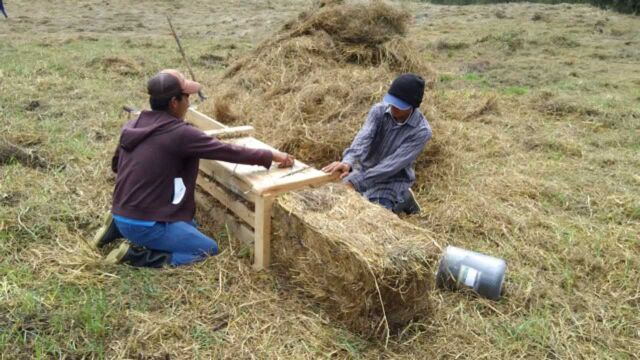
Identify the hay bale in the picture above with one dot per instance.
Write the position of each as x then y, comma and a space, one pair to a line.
358, 261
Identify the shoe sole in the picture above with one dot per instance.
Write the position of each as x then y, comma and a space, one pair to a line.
102, 231
116, 255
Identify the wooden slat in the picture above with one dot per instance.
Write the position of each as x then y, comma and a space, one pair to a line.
238, 208
230, 132
285, 184
251, 174
202, 121
260, 178
239, 230
226, 178
262, 255
220, 215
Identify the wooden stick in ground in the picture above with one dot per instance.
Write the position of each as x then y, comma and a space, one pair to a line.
184, 57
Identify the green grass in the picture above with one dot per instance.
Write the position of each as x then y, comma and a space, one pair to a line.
65, 310
471, 76
445, 78
515, 90
545, 177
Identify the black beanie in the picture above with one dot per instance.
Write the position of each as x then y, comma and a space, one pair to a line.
408, 88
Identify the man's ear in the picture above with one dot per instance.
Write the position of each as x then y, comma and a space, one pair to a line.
173, 103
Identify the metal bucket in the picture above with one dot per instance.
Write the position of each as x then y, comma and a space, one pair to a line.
463, 268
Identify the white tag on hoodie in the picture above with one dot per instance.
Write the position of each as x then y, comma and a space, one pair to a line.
178, 190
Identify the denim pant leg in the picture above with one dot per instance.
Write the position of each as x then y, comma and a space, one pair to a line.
185, 243
384, 202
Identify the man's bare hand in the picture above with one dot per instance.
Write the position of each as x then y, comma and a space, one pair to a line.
284, 160
338, 167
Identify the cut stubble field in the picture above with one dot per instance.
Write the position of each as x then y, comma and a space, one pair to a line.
535, 158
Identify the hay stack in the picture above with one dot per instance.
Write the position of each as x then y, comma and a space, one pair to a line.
308, 90
358, 261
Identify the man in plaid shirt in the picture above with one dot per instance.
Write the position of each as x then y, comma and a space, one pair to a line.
379, 162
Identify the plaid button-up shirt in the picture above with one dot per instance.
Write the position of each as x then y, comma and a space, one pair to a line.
383, 152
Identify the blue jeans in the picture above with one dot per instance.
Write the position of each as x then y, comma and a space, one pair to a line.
384, 202
182, 239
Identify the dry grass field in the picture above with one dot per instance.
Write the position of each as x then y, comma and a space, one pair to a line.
535, 158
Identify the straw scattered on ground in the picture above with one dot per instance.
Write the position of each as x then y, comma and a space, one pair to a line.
545, 178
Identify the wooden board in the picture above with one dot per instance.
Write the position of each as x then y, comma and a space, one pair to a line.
223, 196
273, 180
284, 185
231, 132
238, 230
221, 175
202, 121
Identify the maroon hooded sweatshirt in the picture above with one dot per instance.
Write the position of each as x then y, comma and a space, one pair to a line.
156, 148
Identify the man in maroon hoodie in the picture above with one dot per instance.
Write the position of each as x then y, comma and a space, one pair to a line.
156, 163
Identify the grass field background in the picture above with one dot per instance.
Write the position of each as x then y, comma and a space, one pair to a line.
535, 158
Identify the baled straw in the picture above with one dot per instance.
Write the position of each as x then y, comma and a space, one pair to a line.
368, 269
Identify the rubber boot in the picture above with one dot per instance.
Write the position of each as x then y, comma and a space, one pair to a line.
139, 256
107, 233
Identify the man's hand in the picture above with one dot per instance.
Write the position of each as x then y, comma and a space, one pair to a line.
284, 160
338, 167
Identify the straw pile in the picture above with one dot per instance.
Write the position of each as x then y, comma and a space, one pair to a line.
368, 269
307, 91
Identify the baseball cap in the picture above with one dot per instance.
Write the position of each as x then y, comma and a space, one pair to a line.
406, 91
396, 102
169, 83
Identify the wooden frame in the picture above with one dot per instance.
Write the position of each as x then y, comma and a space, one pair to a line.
226, 199
234, 184
230, 132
